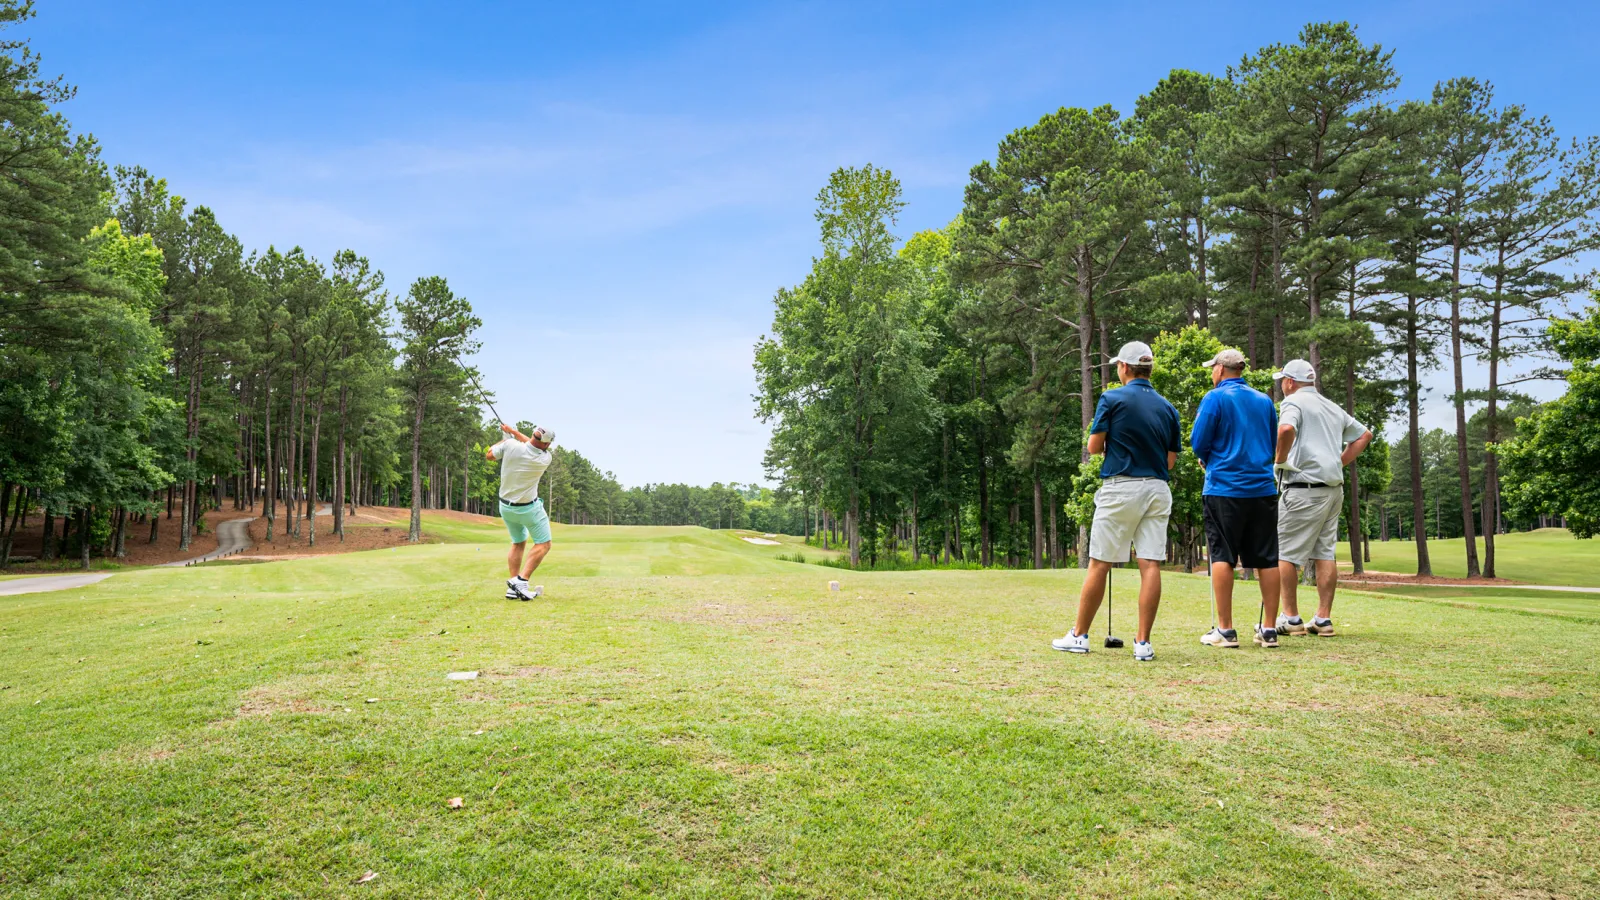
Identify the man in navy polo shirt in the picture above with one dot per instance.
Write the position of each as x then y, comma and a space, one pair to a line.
1235, 436
1138, 431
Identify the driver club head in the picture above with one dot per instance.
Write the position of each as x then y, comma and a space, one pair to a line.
1113, 642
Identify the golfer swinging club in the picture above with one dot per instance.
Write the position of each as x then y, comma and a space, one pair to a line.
1316, 440
523, 459
1138, 431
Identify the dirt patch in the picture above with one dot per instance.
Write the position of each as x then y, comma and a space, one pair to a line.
1199, 728
1375, 578
528, 672
720, 614
367, 537
267, 701
390, 515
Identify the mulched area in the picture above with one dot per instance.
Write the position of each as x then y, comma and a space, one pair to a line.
1373, 577
380, 527
141, 550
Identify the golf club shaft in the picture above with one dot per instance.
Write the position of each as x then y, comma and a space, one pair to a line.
482, 395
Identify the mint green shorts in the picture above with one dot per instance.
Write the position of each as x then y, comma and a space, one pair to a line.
527, 522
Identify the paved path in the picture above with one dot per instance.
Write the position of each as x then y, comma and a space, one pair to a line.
233, 536
51, 583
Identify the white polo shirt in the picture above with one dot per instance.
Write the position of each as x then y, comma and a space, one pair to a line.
1321, 431
521, 467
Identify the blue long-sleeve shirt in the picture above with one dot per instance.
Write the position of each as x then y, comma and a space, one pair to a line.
1234, 433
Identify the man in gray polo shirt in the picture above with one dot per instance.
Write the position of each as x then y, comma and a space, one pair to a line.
1316, 441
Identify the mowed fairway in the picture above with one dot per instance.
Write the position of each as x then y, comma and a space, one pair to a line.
687, 716
1546, 556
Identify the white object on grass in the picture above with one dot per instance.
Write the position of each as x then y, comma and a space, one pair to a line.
762, 541
462, 676
833, 585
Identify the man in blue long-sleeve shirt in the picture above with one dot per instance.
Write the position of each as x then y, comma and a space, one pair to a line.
1234, 434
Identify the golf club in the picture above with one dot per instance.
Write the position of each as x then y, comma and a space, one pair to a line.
482, 395
1111, 642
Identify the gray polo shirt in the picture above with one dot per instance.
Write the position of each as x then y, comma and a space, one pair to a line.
1321, 431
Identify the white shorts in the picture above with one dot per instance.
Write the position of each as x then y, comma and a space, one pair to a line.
1308, 523
1130, 511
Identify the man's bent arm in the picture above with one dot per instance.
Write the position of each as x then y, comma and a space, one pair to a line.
1097, 443
1172, 460
1355, 449
1285, 442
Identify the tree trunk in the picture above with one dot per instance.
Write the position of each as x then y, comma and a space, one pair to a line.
1491, 468
1085, 286
311, 477
916, 544
1419, 508
415, 533
1055, 536
1463, 465
1038, 520
83, 536
1356, 530
341, 471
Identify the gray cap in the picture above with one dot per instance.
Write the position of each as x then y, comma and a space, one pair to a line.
543, 434
1135, 353
1228, 358
1297, 370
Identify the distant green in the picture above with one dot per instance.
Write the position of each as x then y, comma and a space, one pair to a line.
1546, 556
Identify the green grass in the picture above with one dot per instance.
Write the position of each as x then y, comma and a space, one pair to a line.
685, 716
1546, 556
1565, 603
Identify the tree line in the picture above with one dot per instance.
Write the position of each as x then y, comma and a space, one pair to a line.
931, 397
152, 368
150, 365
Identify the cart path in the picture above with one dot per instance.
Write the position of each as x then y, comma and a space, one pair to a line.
232, 537
42, 583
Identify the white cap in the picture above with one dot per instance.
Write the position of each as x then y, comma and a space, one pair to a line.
1297, 370
1228, 358
1135, 353
543, 434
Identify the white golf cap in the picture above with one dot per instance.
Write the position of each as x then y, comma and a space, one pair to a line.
1136, 353
1297, 370
1228, 358
543, 434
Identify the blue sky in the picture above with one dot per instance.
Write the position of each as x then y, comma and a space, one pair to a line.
619, 189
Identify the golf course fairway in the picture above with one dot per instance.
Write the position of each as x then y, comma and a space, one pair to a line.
686, 715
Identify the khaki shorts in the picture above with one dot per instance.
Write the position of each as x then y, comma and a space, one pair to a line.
1130, 511
1308, 523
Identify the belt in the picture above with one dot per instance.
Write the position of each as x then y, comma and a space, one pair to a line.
505, 502
1305, 484
1116, 478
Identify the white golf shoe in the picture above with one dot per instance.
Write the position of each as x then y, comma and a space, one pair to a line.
1072, 643
1143, 652
519, 590
1287, 625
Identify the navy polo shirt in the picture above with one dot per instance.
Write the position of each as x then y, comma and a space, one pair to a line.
1141, 428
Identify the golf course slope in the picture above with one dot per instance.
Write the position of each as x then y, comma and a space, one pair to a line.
686, 715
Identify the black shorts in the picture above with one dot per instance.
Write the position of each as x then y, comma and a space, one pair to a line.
1242, 531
